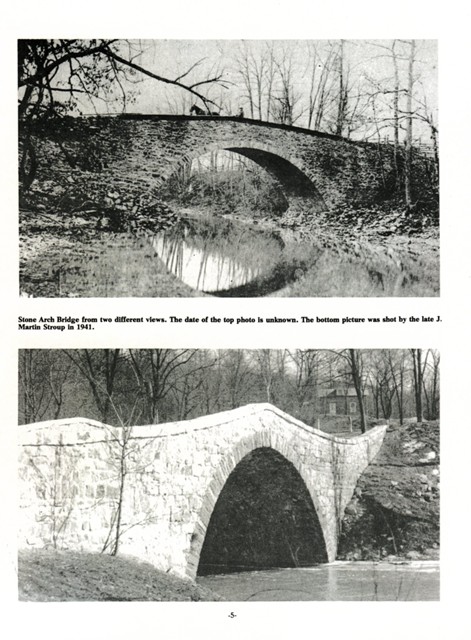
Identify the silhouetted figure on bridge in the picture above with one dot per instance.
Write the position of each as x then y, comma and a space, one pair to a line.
197, 111
202, 112
241, 113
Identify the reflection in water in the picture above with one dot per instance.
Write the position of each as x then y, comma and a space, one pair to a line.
214, 259
227, 260
338, 581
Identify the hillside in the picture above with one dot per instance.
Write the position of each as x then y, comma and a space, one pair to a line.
53, 576
395, 508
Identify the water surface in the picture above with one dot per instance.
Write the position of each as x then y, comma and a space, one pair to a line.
220, 257
337, 581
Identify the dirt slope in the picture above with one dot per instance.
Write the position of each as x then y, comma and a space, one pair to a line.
395, 509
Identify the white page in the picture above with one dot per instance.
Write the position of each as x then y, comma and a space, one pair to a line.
299, 20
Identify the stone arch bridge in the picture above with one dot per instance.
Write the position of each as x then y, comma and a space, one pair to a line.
136, 154
70, 480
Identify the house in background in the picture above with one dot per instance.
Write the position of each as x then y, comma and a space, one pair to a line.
341, 401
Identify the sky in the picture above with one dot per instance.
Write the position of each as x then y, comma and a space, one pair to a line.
368, 62
368, 72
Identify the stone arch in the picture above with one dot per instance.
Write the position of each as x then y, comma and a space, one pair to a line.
291, 173
261, 439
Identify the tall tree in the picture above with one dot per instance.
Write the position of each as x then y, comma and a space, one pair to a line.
419, 363
60, 76
396, 91
156, 372
42, 376
100, 368
397, 363
356, 366
382, 382
342, 99
409, 121
432, 384
353, 360
305, 377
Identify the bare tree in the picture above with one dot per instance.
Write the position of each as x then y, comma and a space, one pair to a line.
155, 372
244, 62
187, 389
42, 376
286, 108
409, 121
305, 378
396, 91
382, 381
356, 366
320, 67
271, 364
342, 99
60, 76
47, 68
237, 375
99, 367
397, 363
127, 456
418, 368
353, 360
432, 384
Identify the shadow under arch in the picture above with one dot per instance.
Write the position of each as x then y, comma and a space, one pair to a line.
258, 512
289, 172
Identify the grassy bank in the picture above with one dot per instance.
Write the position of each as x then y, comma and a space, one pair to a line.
59, 576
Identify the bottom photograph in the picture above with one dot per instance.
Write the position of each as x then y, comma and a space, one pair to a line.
228, 475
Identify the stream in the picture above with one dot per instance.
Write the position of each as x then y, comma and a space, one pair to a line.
416, 581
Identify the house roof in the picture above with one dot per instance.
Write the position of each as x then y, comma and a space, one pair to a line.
349, 392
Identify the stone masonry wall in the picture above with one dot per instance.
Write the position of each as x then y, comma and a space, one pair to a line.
70, 479
134, 155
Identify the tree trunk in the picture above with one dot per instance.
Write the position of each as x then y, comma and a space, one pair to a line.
342, 101
408, 140
396, 114
418, 381
356, 375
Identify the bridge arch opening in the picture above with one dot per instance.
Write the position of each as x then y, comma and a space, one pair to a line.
290, 186
263, 518
293, 180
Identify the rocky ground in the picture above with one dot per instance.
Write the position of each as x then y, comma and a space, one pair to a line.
59, 576
395, 511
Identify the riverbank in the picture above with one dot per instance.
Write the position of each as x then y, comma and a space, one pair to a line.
84, 255
64, 576
345, 253
60, 576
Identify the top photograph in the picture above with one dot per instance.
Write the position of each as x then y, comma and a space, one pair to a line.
228, 168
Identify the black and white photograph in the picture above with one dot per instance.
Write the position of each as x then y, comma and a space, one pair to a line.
228, 168
229, 475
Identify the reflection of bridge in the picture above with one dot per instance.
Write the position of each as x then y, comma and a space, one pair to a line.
202, 268
70, 480
137, 153
217, 260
